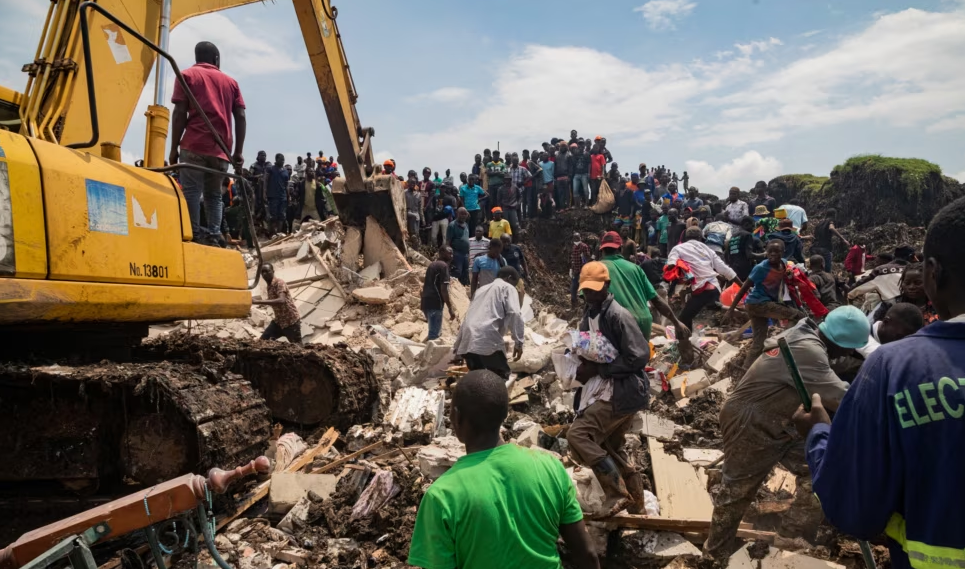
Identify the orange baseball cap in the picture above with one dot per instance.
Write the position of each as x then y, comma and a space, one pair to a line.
389, 162
594, 276
495, 209
598, 138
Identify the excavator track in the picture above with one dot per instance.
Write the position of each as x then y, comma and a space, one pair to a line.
139, 423
307, 385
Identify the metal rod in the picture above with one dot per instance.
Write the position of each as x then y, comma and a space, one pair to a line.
164, 34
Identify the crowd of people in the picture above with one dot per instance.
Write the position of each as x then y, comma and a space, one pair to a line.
888, 461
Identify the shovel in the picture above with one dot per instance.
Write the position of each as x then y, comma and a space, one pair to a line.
802, 391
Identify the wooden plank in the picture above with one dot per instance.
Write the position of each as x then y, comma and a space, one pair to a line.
698, 527
348, 458
328, 271
261, 491
679, 491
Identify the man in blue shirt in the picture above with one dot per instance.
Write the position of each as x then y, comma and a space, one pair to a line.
486, 268
469, 194
892, 459
276, 190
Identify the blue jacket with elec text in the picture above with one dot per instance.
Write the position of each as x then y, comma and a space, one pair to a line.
893, 460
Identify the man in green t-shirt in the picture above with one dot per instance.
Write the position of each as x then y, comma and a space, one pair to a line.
501, 505
632, 289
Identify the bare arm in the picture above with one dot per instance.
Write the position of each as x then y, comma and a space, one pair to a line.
737, 298
179, 120
661, 306
835, 231
578, 542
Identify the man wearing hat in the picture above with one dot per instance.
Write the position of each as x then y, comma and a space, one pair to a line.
755, 422
632, 289
610, 395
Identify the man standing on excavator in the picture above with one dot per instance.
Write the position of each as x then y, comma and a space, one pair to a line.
192, 143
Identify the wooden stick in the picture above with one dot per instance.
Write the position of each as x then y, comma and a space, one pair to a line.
664, 524
345, 459
328, 271
261, 491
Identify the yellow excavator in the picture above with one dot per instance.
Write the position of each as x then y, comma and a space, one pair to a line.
92, 251
86, 240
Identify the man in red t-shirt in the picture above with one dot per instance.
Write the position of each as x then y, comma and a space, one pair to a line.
192, 143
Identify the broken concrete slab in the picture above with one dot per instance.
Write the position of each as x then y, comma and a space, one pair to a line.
781, 481
413, 408
724, 353
294, 556
534, 359
319, 318
697, 381
665, 544
331, 303
435, 459
702, 456
351, 247
304, 308
652, 425
371, 273
410, 354
314, 293
335, 326
284, 250
304, 252
373, 295
287, 488
435, 351
410, 330
378, 247
530, 437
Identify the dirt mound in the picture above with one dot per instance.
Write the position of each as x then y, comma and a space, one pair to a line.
547, 245
872, 190
309, 385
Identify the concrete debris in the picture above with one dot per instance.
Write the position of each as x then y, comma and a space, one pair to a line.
664, 544
294, 556
530, 437
777, 559
378, 247
650, 425
371, 273
722, 355
702, 456
296, 519
373, 295
435, 459
534, 359
410, 330
287, 488
412, 409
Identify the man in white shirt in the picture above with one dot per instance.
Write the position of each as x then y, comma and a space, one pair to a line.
705, 265
735, 207
494, 311
478, 245
718, 232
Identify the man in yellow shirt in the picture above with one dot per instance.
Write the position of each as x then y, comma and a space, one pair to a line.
498, 225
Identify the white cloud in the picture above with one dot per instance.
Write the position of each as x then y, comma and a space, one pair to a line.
811, 33
245, 50
960, 176
950, 123
445, 95
743, 171
642, 106
129, 157
662, 13
895, 71
763, 45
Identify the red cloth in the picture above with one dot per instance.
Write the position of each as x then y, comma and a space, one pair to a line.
680, 271
218, 95
802, 290
597, 165
854, 262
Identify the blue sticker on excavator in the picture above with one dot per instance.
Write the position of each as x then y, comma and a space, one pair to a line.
106, 207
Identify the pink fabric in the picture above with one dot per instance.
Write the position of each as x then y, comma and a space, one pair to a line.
218, 95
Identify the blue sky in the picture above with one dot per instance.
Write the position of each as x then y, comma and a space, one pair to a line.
732, 91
